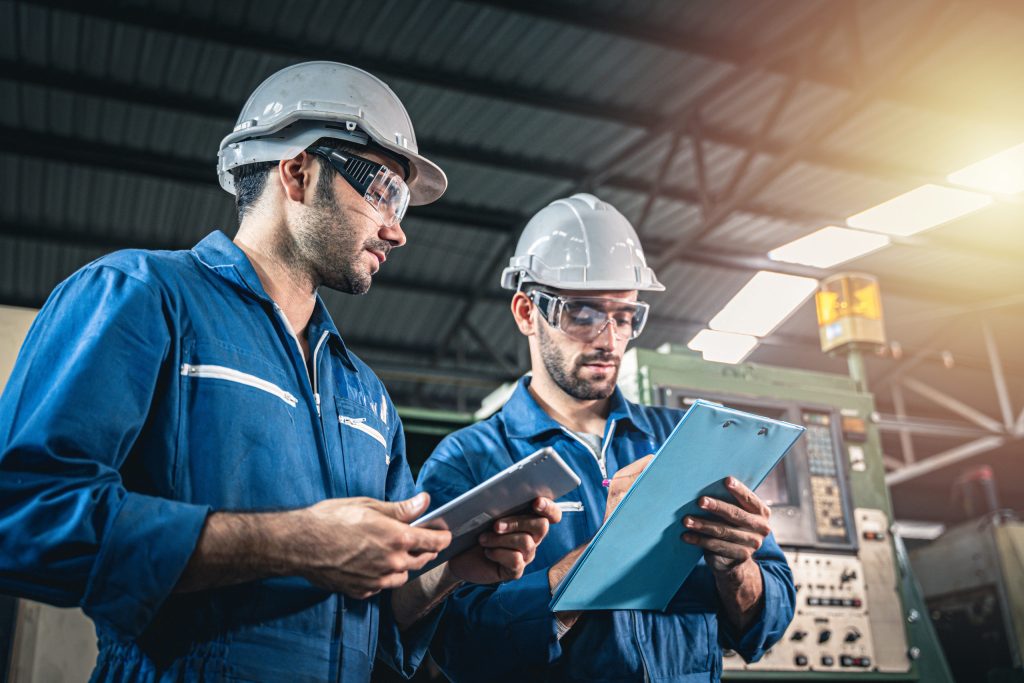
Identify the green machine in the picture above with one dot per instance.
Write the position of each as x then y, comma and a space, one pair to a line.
860, 613
973, 582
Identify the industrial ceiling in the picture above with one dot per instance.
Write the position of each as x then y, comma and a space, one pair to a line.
722, 129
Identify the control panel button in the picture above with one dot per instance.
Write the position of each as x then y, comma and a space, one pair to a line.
800, 660
827, 660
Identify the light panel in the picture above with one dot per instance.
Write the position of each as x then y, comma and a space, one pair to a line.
1002, 173
763, 303
723, 347
919, 209
829, 247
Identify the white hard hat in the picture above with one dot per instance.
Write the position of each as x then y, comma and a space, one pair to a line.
302, 103
580, 242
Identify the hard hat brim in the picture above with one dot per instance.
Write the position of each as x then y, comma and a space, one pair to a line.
426, 181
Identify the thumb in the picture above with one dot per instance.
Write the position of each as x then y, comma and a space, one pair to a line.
407, 510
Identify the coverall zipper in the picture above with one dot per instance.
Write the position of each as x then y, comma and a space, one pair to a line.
239, 377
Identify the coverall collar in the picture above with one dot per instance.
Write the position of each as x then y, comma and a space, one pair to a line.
525, 418
222, 256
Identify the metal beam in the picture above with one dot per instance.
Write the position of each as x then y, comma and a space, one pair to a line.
500, 358
140, 94
860, 98
789, 42
944, 459
952, 404
891, 462
731, 51
915, 359
906, 441
269, 42
928, 427
998, 378
198, 172
747, 262
90, 237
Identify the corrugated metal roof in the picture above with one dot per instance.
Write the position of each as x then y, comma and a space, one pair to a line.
531, 65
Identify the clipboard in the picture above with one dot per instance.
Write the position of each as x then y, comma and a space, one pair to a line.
637, 559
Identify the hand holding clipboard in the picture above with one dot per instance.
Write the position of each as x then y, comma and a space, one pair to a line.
637, 560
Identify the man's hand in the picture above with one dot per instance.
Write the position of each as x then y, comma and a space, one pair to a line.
360, 546
622, 482
729, 544
617, 489
736, 534
510, 545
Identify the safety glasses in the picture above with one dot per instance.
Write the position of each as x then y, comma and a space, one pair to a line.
586, 318
384, 189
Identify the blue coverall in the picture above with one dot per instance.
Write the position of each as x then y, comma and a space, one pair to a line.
154, 388
507, 632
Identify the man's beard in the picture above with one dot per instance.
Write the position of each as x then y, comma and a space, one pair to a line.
569, 379
328, 241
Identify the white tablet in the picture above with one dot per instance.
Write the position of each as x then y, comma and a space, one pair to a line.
508, 492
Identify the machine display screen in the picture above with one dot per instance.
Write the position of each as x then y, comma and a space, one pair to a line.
807, 489
774, 490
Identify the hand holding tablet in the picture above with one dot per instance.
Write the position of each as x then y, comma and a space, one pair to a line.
510, 492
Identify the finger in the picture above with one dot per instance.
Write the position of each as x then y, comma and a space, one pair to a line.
395, 580
511, 560
419, 561
535, 526
735, 515
547, 508
718, 546
520, 542
404, 510
416, 540
724, 532
634, 468
747, 499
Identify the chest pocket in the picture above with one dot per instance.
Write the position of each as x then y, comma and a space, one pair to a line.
237, 432
366, 449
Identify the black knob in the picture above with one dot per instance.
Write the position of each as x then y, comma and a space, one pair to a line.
826, 660
852, 637
800, 660
824, 636
798, 635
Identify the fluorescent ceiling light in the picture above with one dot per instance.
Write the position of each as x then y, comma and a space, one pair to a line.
723, 347
829, 247
919, 209
763, 303
1002, 173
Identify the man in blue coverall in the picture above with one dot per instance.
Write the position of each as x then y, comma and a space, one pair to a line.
189, 452
576, 274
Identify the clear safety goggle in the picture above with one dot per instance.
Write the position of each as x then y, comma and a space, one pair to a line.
384, 189
586, 318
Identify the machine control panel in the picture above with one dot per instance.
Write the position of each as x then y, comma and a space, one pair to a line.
831, 629
826, 491
848, 615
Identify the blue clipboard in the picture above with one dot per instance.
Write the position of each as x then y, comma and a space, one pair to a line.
637, 559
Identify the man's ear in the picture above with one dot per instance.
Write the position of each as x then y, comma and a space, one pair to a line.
522, 311
297, 176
